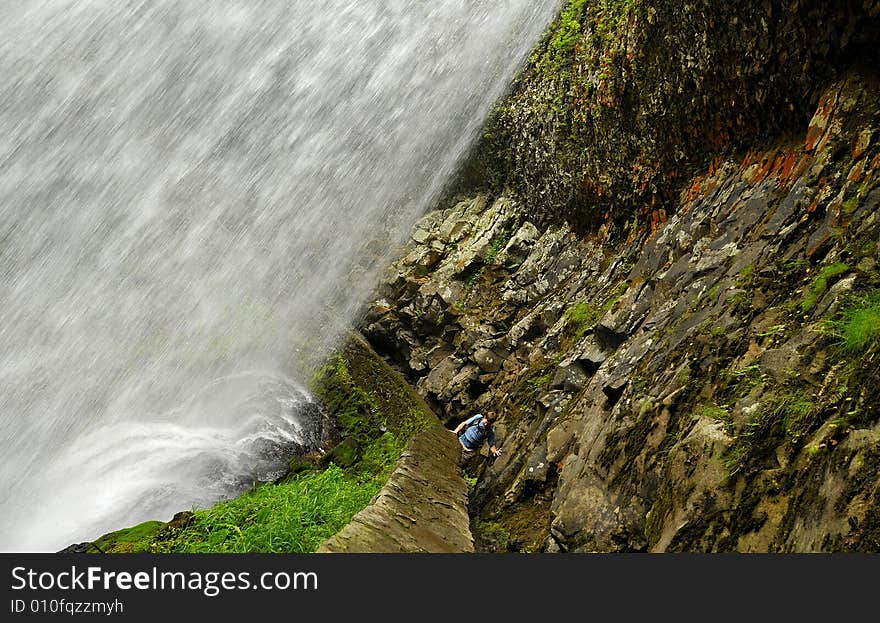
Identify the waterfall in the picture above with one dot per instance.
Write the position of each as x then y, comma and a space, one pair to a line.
195, 198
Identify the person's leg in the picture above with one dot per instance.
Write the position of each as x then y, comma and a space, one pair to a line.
464, 456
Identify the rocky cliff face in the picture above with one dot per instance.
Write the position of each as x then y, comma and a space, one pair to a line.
625, 100
707, 380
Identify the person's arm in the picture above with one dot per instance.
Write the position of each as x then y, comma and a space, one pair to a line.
491, 439
466, 423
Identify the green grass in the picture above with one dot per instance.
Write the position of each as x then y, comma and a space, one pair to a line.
713, 412
861, 327
779, 418
857, 327
821, 283
294, 517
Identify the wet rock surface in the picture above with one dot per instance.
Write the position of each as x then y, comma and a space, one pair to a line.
624, 101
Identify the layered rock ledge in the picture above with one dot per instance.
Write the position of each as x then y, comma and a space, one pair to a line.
422, 507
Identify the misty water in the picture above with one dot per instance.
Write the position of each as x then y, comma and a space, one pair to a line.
195, 198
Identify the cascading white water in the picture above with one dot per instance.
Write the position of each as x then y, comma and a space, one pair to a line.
189, 192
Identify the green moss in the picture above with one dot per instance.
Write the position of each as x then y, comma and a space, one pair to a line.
569, 30
610, 14
746, 277
741, 303
625, 444
540, 381
298, 464
851, 204
821, 283
581, 317
799, 412
381, 456
491, 253
130, 540
493, 534
775, 330
496, 246
524, 527
746, 377
344, 454
793, 267
618, 291
657, 515
367, 397
713, 292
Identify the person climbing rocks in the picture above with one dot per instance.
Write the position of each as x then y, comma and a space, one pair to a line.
474, 431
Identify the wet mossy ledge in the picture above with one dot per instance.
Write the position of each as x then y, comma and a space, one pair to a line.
372, 414
624, 101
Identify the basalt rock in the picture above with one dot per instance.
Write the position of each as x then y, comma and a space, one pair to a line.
680, 384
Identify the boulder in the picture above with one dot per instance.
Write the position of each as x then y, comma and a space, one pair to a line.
519, 246
441, 376
489, 360
592, 356
420, 236
613, 388
570, 377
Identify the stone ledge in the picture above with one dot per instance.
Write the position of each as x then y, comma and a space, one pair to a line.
421, 509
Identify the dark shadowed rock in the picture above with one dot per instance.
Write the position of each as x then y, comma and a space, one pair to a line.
571, 377
489, 360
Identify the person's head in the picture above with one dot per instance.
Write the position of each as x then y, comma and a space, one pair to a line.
491, 416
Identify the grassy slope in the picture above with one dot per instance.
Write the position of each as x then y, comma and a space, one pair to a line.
377, 414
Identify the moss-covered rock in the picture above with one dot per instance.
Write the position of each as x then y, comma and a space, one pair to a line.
624, 100
130, 540
344, 454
